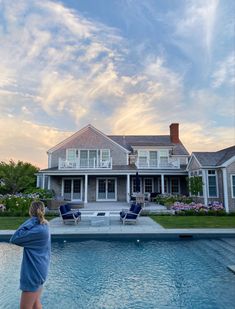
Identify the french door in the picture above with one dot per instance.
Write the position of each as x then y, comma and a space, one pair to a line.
106, 189
72, 189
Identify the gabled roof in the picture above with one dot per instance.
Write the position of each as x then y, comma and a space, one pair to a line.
215, 158
89, 126
127, 141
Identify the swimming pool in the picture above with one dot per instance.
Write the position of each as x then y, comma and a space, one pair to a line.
129, 275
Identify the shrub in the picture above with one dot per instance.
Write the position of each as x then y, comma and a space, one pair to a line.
168, 200
40, 193
199, 209
16, 205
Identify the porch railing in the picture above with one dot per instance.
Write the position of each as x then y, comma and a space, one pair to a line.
170, 163
85, 164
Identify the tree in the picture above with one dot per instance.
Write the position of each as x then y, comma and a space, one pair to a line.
17, 177
195, 185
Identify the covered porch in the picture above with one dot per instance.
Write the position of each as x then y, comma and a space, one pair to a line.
113, 187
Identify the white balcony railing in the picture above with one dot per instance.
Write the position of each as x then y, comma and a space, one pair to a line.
84, 164
170, 163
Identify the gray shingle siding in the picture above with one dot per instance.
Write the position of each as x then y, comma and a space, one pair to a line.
194, 165
91, 196
90, 139
56, 183
60, 153
121, 188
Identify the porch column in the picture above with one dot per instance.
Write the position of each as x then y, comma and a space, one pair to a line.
128, 188
225, 187
38, 177
204, 180
86, 185
162, 184
49, 183
43, 181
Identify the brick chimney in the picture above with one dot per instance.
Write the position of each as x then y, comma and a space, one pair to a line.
174, 133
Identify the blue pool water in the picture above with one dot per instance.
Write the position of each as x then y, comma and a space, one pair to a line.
129, 275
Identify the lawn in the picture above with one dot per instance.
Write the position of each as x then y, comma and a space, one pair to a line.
174, 222
12, 223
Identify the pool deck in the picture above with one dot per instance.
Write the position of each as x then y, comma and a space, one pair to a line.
145, 228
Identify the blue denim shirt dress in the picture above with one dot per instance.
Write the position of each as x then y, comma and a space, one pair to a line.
36, 240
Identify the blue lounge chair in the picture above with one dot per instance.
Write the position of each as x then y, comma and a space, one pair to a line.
131, 215
69, 215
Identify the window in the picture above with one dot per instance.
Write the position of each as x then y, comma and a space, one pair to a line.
174, 185
212, 183
105, 155
148, 185
92, 158
134, 185
71, 154
153, 158
88, 158
143, 158
163, 155
84, 158
233, 185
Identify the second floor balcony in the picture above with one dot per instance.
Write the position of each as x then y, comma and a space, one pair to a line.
85, 164
164, 163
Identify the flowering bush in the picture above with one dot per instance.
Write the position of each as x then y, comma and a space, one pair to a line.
2, 208
198, 208
40, 193
16, 205
168, 199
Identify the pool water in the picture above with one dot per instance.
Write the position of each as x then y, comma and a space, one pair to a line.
129, 275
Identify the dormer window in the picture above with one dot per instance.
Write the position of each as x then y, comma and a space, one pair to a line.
163, 157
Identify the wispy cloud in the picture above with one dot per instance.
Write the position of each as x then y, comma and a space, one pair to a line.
70, 70
225, 73
195, 26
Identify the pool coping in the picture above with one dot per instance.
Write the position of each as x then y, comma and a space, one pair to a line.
161, 234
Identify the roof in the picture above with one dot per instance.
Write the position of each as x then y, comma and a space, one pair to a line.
80, 132
215, 158
127, 141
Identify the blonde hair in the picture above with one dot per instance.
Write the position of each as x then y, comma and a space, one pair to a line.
37, 209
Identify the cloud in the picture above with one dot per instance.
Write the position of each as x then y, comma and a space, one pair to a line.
225, 73
27, 141
71, 70
195, 26
203, 137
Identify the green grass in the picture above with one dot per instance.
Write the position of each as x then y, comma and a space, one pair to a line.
174, 222
12, 223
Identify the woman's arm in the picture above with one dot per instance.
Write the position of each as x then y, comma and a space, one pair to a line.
26, 234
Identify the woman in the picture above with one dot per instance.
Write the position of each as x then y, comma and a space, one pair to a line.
34, 236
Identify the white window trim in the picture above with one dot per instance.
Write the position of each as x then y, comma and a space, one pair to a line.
231, 181
81, 188
67, 153
216, 179
198, 175
97, 188
147, 150
152, 184
132, 185
179, 188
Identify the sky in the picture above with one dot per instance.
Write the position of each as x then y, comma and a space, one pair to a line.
124, 66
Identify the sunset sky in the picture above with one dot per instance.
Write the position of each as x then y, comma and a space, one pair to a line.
124, 66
